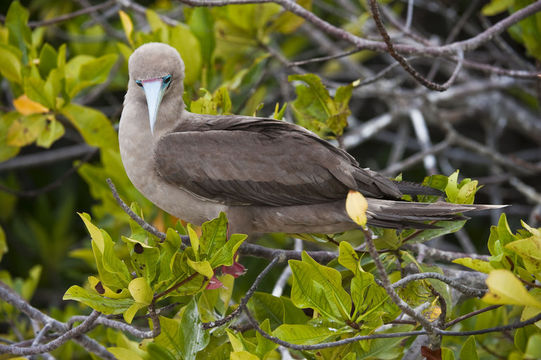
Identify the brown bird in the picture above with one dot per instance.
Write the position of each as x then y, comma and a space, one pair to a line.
266, 175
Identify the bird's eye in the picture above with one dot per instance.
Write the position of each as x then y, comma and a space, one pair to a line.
139, 83
166, 80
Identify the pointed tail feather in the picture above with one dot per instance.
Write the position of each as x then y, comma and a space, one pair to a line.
402, 214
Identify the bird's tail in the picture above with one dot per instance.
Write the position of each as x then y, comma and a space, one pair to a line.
403, 214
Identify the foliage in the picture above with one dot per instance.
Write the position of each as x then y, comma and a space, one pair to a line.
61, 93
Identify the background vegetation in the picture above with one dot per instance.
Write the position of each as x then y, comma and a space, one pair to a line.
413, 87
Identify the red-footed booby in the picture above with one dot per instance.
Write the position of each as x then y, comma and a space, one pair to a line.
266, 175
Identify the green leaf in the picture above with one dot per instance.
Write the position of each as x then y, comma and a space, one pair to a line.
95, 128
97, 302
159, 28
278, 310
31, 283
314, 108
48, 59
533, 349
87, 71
34, 88
288, 22
500, 235
184, 338
528, 30
3, 243
496, 6
19, 32
214, 235
169, 248
264, 345
217, 103
144, 258
320, 288
10, 63
243, 355
385, 348
126, 354
469, 349
304, 334
158, 352
52, 132
372, 304
187, 45
225, 255
202, 26
348, 258
443, 228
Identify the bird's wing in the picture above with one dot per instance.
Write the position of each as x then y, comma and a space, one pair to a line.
261, 162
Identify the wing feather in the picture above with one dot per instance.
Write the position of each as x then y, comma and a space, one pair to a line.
262, 162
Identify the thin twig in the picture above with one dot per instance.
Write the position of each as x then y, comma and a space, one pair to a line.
466, 290
146, 226
65, 17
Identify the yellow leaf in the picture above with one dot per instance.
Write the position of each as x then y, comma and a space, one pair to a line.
28, 107
202, 267
505, 288
140, 290
127, 25
356, 206
94, 231
132, 310
25, 129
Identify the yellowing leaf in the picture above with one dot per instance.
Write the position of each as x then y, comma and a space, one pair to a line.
104, 290
535, 232
28, 107
140, 290
127, 25
529, 250
25, 130
202, 267
94, 231
505, 288
194, 240
132, 310
243, 355
475, 264
356, 206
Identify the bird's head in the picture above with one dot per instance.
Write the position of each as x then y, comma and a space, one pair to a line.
157, 69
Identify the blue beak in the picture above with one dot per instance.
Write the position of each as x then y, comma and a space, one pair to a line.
154, 90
